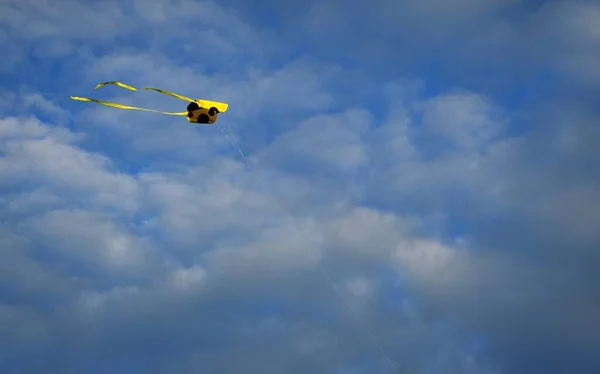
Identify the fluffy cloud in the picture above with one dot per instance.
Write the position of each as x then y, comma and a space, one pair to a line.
459, 227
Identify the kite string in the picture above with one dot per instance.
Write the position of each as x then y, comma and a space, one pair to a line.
236, 145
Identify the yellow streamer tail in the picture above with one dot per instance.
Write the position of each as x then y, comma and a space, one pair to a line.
126, 107
119, 84
168, 93
222, 107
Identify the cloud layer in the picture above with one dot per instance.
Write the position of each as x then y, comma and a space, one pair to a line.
439, 164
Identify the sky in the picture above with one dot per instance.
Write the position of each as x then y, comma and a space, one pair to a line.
419, 192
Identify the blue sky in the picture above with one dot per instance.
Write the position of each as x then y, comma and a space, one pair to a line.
438, 158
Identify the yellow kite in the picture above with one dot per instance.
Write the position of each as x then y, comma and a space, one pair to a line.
198, 111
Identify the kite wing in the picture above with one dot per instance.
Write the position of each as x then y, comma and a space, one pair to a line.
222, 107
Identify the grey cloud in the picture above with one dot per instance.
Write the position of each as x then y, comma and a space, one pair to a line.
528, 276
450, 281
206, 202
336, 147
573, 27
90, 238
524, 274
465, 119
217, 293
29, 277
491, 46
30, 146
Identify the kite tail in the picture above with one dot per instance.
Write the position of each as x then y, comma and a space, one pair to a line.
131, 88
118, 84
126, 107
222, 107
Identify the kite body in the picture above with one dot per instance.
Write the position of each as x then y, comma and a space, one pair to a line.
198, 111
197, 114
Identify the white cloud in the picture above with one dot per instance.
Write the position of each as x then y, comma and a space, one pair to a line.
190, 245
40, 154
36, 100
50, 28
431, 263
277, 253
360, 286
469, 120
367, 233
189, 239
188, 278
205, 200
333, 141
88, 237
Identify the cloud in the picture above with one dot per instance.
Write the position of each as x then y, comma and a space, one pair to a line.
457, 220
93, 240
113, 262
574, 27
333, 143
467, 120
31, 147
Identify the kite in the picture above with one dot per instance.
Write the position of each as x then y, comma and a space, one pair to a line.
198, 111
